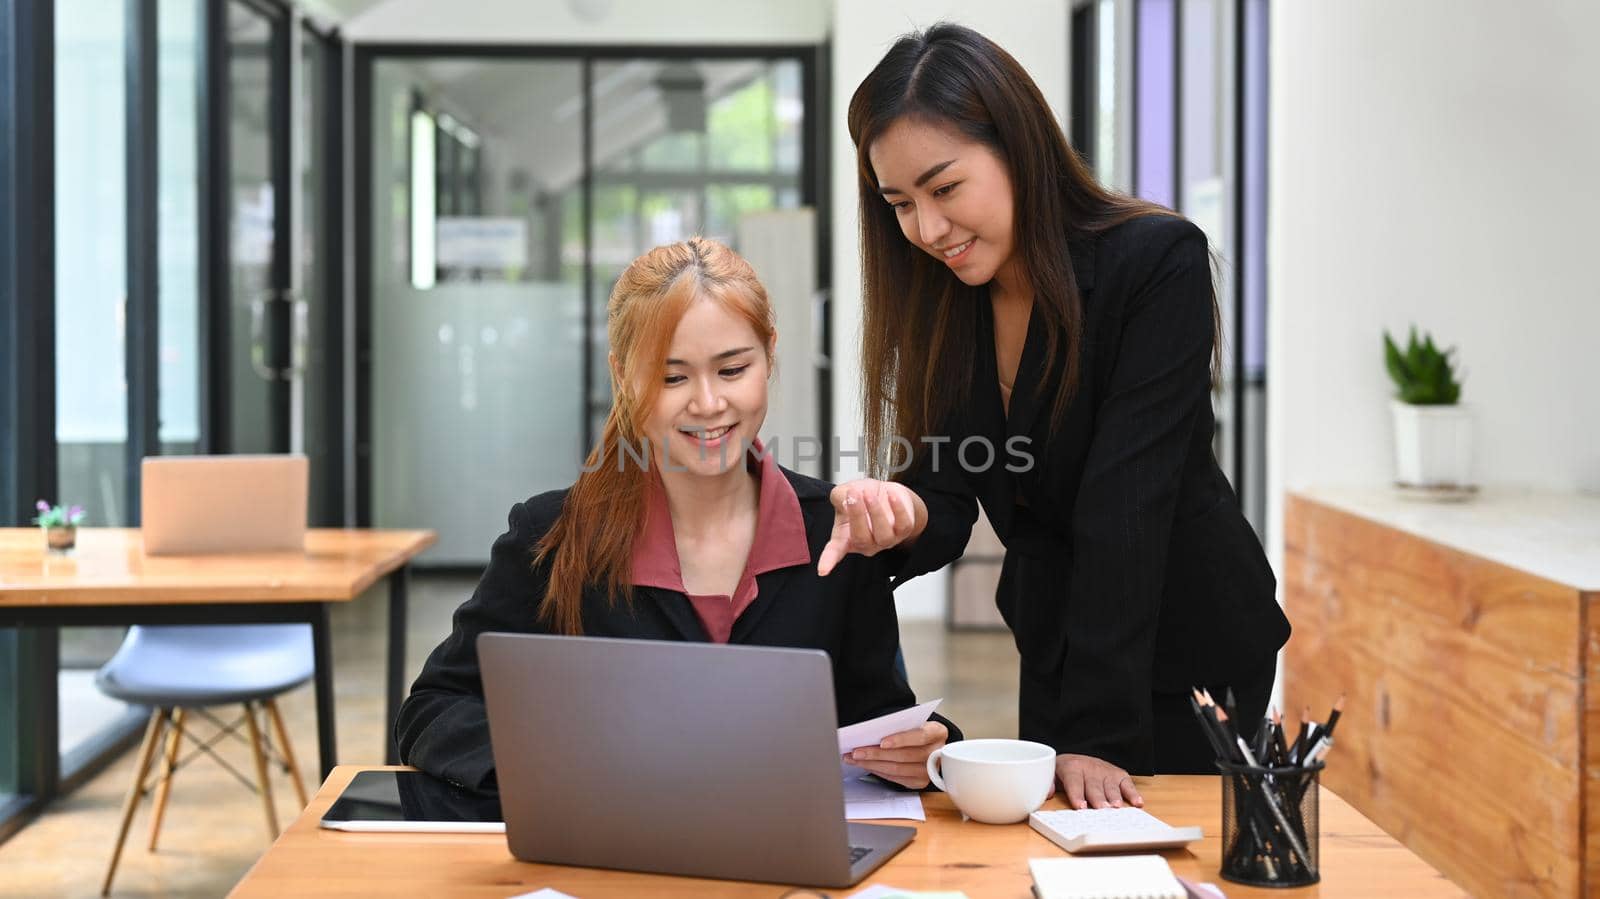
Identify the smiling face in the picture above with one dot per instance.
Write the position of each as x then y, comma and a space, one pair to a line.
713, 397
951, 195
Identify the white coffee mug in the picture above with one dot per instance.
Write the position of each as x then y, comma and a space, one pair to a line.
995, 781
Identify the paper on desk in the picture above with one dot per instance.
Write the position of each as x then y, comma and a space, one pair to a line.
1202, 890
545, 893
877, 891
871, 733
870, 800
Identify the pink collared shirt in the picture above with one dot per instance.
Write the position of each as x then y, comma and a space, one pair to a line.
780, 542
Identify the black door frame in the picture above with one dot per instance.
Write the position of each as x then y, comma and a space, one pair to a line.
216, 244
328, 508
28, 463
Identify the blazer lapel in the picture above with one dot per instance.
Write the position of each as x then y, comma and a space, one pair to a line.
1032, 380
769, 587
985, 412
985, 416
678, 611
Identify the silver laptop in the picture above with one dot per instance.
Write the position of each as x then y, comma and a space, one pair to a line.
194, 505
676, 758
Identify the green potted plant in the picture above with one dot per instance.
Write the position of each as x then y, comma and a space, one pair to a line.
60, 524
1432, 430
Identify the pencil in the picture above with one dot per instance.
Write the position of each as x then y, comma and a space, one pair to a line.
1206, 725
1300, 741
1230, 736
1333, 716
1277, 733
1217, 720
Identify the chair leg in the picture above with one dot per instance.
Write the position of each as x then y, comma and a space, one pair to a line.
261, 771
282, 737
152, 735
174, 734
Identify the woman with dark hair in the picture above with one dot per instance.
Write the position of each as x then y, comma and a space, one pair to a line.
681, 527
1047, 347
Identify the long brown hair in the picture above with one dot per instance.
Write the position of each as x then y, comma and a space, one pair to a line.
591, 542
914, 342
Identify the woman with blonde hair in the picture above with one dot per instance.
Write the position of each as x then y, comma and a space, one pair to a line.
681, 527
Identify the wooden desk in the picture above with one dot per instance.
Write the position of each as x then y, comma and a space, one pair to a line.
1467, 639
982, 860
108, 580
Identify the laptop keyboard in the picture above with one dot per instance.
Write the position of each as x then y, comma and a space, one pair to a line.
857, 853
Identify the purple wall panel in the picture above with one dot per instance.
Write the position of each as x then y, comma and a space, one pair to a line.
1154, 175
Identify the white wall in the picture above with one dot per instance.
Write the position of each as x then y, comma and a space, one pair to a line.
781, 246
1036, 34
1435, 165
618, 22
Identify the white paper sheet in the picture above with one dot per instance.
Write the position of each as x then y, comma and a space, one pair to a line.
876, 891
871, 800
907, 807
879, 891
872, 732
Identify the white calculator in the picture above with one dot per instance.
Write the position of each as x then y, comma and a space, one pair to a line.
1109, 829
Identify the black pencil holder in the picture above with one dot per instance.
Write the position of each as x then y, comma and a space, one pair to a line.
1270, 825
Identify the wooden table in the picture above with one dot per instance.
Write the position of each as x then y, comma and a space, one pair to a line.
108, 580
1467, 637
982, 860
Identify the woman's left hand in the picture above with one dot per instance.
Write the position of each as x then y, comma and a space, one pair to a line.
902, 757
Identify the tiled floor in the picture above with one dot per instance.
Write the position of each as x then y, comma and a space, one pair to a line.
84, 709
215, 828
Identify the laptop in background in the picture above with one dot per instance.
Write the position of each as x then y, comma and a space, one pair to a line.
675, 758
195, 505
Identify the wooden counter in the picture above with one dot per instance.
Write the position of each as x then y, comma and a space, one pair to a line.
1464, 638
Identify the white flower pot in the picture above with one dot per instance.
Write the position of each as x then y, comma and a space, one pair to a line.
1432, 446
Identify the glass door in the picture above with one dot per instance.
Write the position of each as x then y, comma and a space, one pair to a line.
91, 39
686, 146
256, 419
502, 198
476, 182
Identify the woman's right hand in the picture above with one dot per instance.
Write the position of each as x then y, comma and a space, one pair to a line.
1094, 783
870, 516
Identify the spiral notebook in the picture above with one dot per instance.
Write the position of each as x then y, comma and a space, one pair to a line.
1105, 877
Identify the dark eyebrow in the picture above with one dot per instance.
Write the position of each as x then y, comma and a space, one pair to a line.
924, 178
725, 354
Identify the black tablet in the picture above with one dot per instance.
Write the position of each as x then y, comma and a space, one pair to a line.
411, 802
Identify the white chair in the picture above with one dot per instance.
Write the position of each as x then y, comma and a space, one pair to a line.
178, 670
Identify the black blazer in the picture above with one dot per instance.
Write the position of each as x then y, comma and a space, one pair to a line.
1130, 569
443, 728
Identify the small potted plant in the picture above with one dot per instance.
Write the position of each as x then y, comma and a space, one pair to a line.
60, 524
1432, 430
